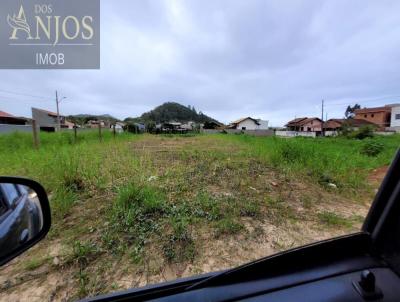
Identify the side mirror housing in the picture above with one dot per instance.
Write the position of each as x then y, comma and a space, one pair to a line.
25, 216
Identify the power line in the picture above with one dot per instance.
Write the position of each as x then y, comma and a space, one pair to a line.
364, 101
24, 94
19, 99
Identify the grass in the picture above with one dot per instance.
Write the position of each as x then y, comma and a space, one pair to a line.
228, 226
34, 263
334, 220
152, 202
324, 160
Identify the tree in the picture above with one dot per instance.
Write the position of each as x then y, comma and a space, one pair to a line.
349, 113
151, 126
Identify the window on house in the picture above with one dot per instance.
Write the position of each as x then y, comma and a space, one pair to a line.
243, 128
365, 115
397, 116
372, 115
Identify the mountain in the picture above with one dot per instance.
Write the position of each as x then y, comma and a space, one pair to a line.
172, 111
82, 119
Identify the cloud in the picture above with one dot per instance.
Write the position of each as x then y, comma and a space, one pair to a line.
265, 59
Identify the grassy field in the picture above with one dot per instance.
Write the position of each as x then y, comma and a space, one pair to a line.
140, 209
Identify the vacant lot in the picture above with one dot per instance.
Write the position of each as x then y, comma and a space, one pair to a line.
143, 209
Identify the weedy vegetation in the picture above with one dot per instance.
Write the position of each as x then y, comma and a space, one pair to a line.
152, 208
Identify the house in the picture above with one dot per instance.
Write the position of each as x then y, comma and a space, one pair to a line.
249, 123
119, 127
9, 119
188, 126
141, 127
305, 124
212, 125
395, 118
172, 127
47, 120
335, 124
377, 115
68, 125
95, 124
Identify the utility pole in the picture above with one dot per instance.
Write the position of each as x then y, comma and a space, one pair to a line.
58, 110
322, 118
58, 114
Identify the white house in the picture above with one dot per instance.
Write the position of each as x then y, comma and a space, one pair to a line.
119, 127
395, 118
249, 123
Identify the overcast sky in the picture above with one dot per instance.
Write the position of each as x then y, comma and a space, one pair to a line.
267, 59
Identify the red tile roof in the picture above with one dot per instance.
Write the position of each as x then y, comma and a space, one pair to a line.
301, 121
332, 123
375, 109
5, 114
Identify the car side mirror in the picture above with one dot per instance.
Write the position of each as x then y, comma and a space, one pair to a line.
24, 216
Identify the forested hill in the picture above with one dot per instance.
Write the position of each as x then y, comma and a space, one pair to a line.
173, 112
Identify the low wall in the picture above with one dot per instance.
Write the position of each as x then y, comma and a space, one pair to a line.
238, 131
6, 128
384, 133
295, 133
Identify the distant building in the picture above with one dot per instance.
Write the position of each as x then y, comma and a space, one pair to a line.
95, 124
305, 124
212, 125
47, 120
188, 125
334, 125
395, 118
9, 119
141, 127
377, 115
249, 123
119, 127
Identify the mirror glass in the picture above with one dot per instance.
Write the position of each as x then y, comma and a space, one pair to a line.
21, 217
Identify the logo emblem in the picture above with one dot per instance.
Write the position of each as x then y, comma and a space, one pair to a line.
19, 23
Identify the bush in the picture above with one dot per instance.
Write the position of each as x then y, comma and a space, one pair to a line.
290, 152
363, 132
372, 148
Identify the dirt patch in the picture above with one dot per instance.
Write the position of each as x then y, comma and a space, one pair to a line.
376, 177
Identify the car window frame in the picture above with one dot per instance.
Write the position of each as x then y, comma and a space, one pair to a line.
5, 202
14, 203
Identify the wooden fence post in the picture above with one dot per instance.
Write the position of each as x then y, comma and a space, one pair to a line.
100, 131
114, 130
75, 132
36, 140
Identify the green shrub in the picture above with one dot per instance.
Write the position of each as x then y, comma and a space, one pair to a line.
372, 148
290, 152
363, 132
